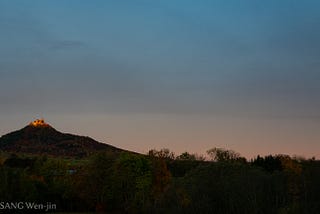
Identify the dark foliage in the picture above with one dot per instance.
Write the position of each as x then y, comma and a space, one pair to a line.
130, 183
79, 174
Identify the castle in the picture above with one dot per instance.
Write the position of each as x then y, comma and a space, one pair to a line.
39, 122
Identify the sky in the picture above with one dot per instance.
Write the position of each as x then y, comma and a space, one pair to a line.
179, 74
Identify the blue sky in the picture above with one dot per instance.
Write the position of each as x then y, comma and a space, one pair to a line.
187, 75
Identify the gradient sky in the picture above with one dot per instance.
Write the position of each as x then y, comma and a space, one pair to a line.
185, 75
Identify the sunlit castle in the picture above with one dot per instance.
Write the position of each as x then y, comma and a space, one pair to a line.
39, 123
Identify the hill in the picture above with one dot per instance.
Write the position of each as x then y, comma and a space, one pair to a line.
40, 138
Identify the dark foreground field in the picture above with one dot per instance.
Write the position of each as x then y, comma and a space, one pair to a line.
160, 183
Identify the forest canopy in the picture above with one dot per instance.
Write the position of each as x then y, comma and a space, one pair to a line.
160, 182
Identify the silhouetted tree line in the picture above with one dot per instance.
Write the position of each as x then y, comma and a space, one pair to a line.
161, 182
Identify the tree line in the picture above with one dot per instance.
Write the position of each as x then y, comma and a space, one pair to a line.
160, 182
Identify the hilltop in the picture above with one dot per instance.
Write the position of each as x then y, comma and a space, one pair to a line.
41, 138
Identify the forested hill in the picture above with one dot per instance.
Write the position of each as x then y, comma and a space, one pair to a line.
40, 138
79, 174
